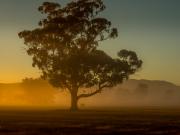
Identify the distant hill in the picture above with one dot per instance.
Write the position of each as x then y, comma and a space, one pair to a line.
131, 93
140, 93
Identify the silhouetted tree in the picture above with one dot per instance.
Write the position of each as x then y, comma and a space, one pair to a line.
64, 48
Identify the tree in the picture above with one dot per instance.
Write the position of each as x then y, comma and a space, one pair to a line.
65, 48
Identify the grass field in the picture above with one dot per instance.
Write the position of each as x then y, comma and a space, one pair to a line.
132, 121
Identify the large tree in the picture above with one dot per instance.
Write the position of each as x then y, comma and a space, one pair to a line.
65, 48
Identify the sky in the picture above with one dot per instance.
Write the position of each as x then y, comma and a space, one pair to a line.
151, 28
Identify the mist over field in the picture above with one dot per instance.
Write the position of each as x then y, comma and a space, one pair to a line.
140, 93
38, 93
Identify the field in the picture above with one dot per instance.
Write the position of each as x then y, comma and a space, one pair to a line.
125, 121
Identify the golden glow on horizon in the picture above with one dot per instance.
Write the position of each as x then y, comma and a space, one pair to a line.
14, 77
30, 95
43, 95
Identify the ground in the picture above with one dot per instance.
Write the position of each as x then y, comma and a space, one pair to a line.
124, 121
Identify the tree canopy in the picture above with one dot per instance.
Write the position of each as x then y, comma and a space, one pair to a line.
65, 48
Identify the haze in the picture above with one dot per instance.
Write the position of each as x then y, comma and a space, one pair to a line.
134, 93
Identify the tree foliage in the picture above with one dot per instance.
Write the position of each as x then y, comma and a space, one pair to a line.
65, 48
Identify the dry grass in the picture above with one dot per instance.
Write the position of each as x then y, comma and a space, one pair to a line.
136, 121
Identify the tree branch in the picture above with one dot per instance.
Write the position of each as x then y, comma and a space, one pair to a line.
90, 94
99, 90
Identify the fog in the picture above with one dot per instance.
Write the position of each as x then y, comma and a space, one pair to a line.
139, 93
32, 94
132, 93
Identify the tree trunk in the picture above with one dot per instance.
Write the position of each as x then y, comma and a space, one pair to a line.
74, 100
